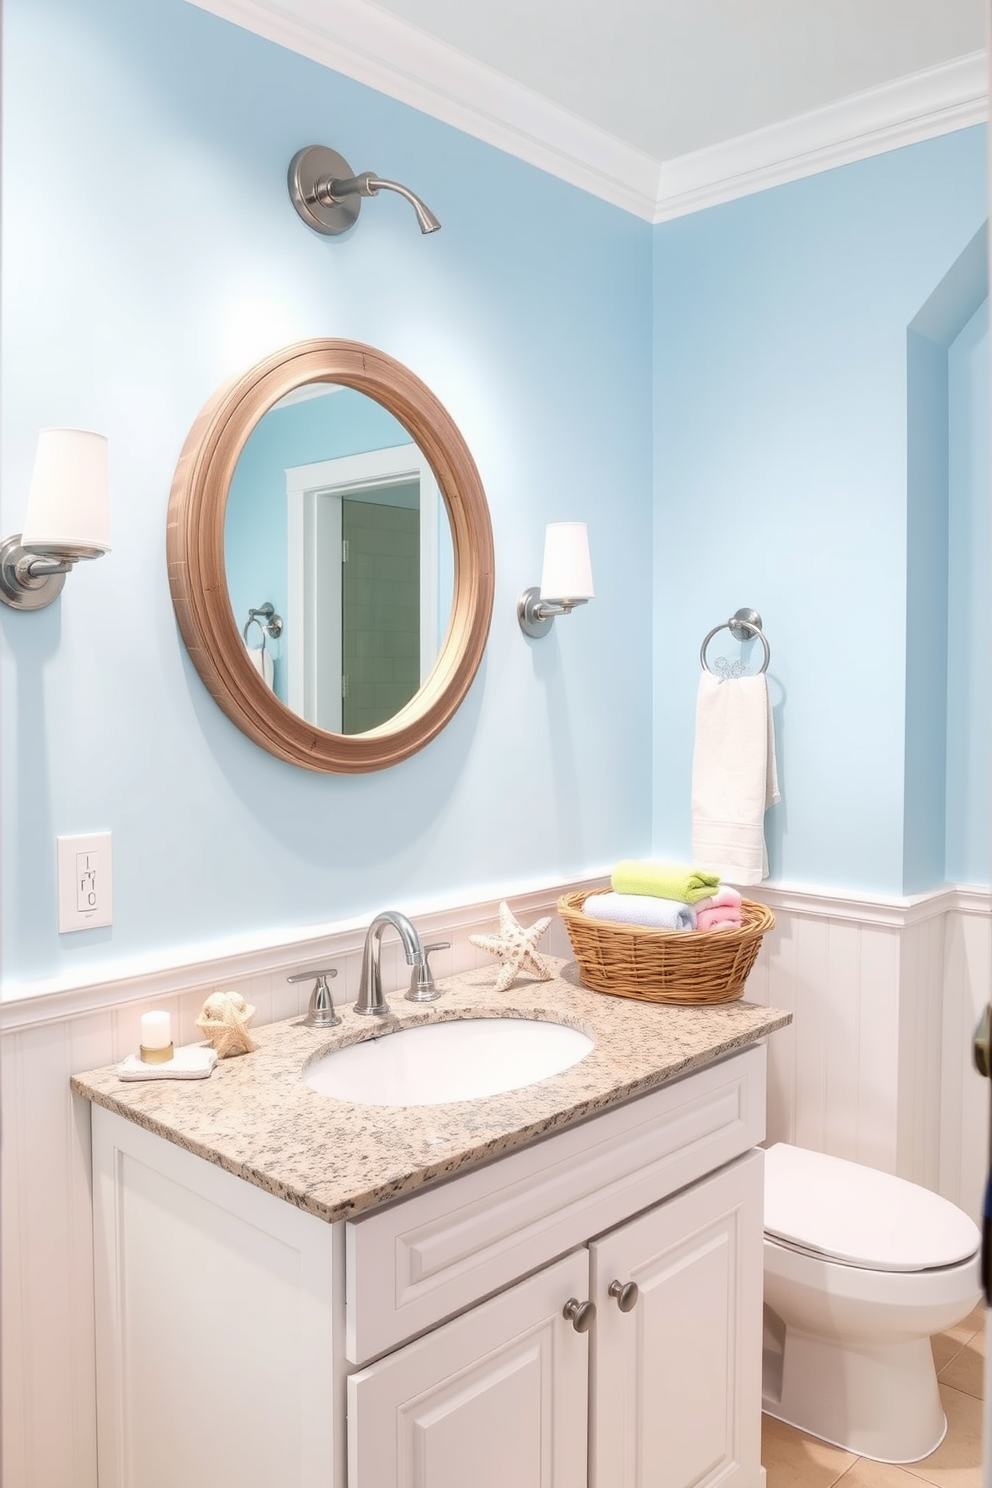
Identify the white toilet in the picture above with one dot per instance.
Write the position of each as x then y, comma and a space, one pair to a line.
860, 1269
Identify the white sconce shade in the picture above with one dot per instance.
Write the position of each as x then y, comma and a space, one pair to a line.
68, 508
68, 518
566, 579
567, 571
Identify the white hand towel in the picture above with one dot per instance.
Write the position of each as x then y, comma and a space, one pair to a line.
734, 777
262, 662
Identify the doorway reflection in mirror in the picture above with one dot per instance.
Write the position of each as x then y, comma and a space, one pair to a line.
336, 514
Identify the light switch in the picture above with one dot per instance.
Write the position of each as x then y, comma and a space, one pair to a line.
86, 896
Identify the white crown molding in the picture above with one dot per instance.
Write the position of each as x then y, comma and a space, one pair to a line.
386, 53
904, 112
376, 48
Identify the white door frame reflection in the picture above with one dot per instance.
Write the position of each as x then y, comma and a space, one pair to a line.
314, 495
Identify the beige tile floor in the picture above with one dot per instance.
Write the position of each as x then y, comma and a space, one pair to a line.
794, 1460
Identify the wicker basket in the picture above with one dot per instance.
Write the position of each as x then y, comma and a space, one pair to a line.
683, 966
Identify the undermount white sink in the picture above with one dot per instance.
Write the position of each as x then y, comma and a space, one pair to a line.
433, 1063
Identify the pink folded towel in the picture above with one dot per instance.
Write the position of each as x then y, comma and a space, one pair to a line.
724, 895
721, 911
723, 918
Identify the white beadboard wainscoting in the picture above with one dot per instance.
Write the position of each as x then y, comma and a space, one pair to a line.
46, 1261
875, 1066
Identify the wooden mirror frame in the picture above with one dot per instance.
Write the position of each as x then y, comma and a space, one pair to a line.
198, 579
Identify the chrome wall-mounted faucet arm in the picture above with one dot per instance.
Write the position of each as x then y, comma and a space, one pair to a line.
331, 191
371, 1002
328, 195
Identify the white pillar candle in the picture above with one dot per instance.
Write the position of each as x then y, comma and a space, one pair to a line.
156, 1030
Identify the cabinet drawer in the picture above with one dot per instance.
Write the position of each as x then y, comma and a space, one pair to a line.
428, 1257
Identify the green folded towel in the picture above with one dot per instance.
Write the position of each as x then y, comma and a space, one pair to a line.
664, 880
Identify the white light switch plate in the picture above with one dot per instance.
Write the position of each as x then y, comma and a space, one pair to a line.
86, 896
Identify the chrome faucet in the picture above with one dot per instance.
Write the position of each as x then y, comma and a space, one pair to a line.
371, 1002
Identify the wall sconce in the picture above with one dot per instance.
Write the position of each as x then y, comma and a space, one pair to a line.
566, 579
67, 518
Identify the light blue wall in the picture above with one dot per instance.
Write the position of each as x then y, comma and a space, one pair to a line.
933, 717
781, 483
150, 252
925, 756
969, 619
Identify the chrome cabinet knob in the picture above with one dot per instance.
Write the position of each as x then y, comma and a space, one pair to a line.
626, 1294
581, 1315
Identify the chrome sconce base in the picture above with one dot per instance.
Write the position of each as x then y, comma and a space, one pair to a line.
537, 615
30, 580
27, 581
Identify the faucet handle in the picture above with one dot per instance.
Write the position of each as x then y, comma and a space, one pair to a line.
422, 984
320, 1013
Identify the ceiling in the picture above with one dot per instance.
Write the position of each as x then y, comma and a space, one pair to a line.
661, 106
673, 76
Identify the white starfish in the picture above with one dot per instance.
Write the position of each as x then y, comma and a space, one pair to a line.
515, 948
224, 1018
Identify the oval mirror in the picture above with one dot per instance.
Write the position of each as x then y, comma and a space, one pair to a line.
331, 557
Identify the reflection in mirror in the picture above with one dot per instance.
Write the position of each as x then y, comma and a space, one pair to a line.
334, 516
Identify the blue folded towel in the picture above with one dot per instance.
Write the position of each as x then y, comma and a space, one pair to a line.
641, 909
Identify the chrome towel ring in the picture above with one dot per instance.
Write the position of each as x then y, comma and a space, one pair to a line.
254, 620
744, 625
266, 619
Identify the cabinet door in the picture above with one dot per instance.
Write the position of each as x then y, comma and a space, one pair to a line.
497, 1398
676, 1381
214, 1324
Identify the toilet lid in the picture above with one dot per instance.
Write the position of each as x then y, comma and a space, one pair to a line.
860, 1216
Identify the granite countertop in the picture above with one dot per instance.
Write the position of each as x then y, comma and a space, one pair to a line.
256, 1118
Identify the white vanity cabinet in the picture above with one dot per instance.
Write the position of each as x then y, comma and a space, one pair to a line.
424, 1344
666, 1393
